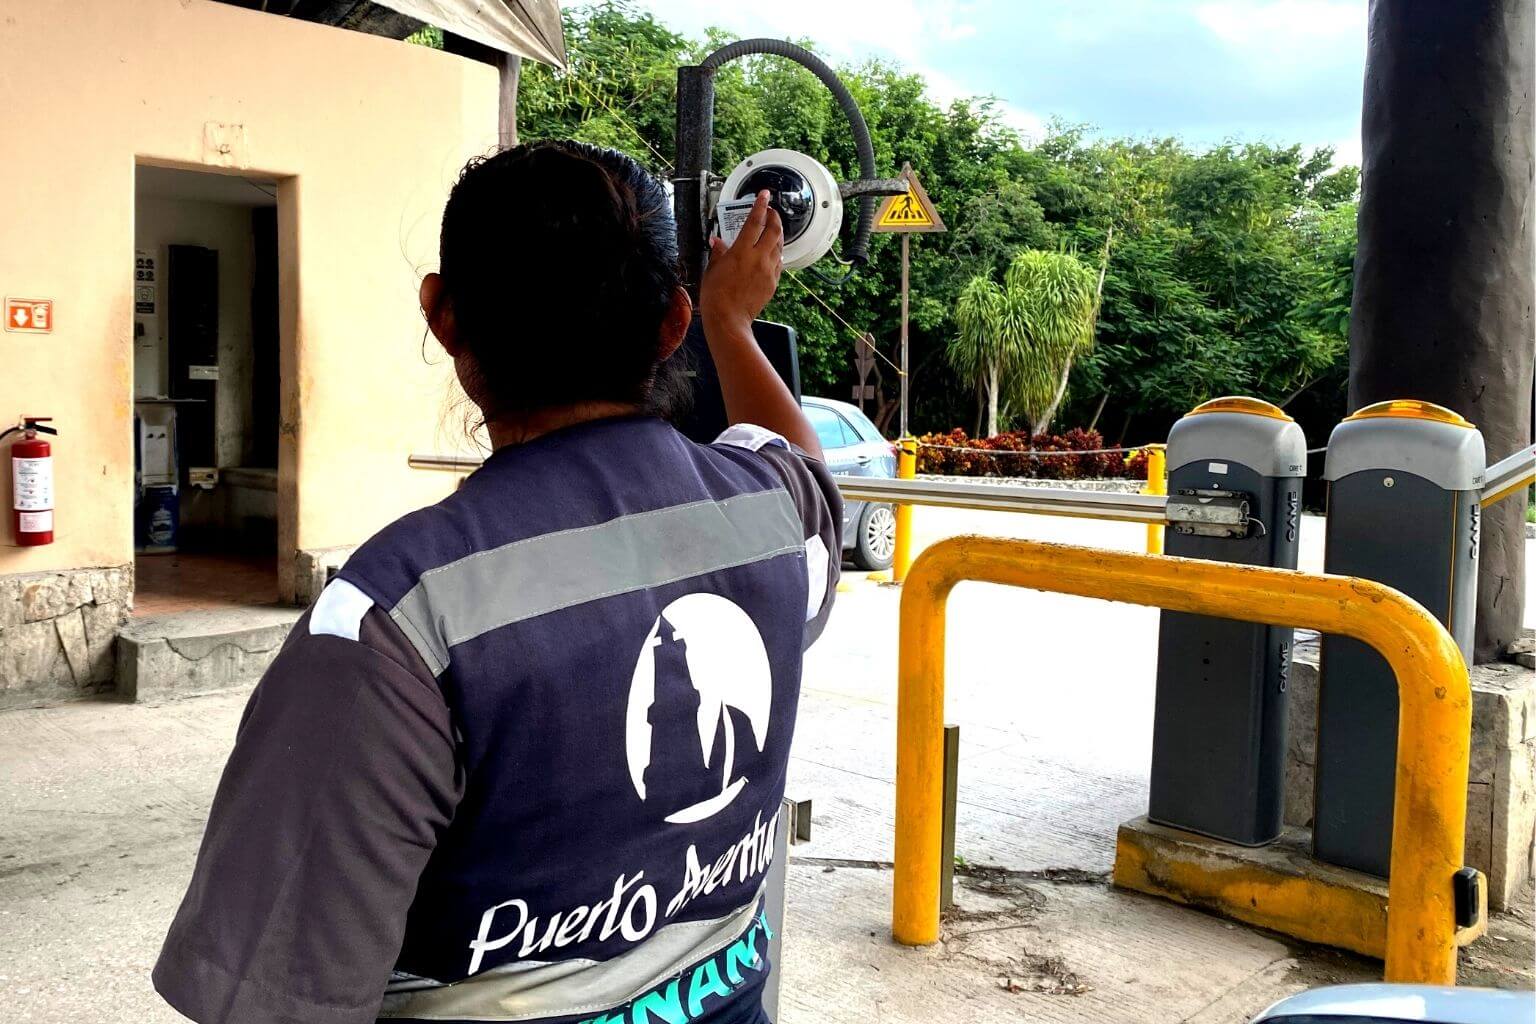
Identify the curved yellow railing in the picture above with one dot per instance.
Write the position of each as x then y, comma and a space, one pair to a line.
1434, 727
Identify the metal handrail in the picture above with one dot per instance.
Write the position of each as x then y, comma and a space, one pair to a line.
1434, 724
1510, 475
448, 463
1050, 501
1503, 478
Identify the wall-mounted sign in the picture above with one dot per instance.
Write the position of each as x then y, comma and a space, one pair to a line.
143, 282
29, 316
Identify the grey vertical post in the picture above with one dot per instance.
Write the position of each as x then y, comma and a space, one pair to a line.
1404, 483
785, 832
951, 806
1218, 739
1443, 276
690, 169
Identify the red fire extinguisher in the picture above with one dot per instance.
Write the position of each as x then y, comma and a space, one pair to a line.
32, 482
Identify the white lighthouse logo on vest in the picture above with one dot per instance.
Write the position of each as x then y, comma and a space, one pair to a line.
701, 691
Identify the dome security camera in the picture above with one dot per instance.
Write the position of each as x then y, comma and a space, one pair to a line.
801, 189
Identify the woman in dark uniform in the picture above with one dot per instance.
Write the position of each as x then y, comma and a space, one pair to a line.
523, 758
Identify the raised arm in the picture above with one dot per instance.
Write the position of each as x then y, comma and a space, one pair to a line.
740, 280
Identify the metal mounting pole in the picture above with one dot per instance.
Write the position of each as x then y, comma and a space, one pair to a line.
690, 173
906, 250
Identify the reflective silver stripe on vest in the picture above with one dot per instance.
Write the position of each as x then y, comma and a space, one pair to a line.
527, 578
530, 990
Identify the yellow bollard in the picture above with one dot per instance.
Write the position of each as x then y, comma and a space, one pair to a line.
906, 469
1157, 483
1429, 819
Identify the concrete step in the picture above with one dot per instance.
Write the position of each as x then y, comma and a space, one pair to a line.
182, 654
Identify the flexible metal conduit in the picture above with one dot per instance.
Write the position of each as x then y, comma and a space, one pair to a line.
859, 252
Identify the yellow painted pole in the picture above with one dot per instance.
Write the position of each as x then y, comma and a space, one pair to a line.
906, 469
1434, 725
1157, 483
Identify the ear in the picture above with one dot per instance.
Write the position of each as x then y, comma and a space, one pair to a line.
674, 326
438, 309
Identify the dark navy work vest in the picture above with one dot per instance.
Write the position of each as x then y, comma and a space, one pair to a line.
616, 617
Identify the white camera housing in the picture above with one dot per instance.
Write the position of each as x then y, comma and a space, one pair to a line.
811, 207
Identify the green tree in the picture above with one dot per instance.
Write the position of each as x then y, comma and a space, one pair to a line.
1224, 270
1052, 297
1017, 342
979, 347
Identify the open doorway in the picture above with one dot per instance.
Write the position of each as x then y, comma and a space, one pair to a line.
206, 390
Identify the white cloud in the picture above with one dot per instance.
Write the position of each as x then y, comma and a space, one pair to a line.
944, 89
1284, 28
843, 28
1347, 151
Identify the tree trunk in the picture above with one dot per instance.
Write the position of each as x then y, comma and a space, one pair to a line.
1443, 274
1103, 400
1061, 390
992, 401
981, 407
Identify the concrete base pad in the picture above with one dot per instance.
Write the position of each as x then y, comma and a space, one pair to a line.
1278, 887
201, 651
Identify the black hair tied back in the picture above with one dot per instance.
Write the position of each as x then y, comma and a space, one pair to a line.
560, 261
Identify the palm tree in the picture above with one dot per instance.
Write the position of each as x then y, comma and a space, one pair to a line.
1016, 343
978, 351
1057, 299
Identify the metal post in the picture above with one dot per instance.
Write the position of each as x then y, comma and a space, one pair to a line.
906, 469
1157, 483
951, 803
1434, 739
509, 69
906, 251
695, 155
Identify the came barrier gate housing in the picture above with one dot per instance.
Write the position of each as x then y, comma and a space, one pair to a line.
1218, 743
1405, 479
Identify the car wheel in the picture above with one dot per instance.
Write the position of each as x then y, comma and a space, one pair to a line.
877, 538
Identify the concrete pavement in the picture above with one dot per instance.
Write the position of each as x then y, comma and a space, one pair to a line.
102, 807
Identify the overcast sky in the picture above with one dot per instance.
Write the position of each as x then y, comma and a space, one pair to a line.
1206, 70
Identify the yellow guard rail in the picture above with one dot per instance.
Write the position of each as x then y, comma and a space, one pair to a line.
1434, 726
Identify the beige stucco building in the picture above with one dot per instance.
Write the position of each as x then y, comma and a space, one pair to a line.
313, 162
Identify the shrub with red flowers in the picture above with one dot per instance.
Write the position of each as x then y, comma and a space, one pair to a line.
1075, 455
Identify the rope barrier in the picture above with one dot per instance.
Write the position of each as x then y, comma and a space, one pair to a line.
1029, 451
1033, 451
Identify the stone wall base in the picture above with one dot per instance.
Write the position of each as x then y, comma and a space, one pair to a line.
1501, 786
58, 632
313, 569
196, 652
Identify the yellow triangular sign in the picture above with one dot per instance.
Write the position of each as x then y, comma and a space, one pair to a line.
911, 211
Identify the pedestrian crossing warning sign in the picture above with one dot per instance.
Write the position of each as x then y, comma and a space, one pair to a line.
910, 211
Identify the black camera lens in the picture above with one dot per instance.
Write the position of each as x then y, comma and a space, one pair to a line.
789, 193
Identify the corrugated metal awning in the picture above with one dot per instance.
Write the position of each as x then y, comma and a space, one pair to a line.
526, 28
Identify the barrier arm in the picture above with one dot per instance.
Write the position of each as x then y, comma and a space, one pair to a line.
1434, 729
1510, 476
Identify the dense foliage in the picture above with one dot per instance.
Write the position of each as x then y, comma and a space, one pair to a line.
1228, 270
